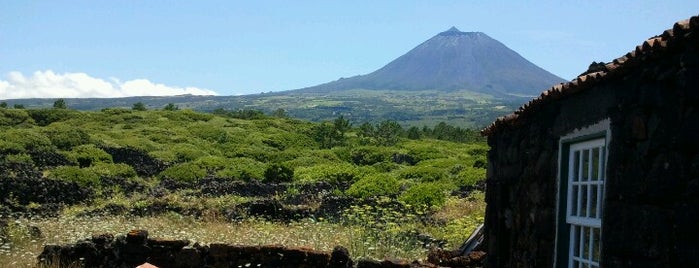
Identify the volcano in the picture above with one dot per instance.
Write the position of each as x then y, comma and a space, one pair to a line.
454, 60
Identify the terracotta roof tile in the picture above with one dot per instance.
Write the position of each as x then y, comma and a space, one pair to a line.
599, 72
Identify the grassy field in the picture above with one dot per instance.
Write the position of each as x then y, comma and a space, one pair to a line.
363, 237
179, 174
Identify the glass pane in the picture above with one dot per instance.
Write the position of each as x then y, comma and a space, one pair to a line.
595, 164
583, 201
603, 158
585, 165
576, 240
576, 264
585, 237
576, 165
596, 244
593, 201
574, 203
599, 200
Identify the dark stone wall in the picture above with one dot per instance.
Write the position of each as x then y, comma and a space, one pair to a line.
137, 248
651, 215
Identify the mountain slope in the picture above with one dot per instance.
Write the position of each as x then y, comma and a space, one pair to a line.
454, 60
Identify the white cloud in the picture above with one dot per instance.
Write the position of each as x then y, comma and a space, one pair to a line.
47, 84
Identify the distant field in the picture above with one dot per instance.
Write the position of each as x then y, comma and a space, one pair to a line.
411, 108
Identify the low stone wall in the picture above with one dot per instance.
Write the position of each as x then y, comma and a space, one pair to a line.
136, 248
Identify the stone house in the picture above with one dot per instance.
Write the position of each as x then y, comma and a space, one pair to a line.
602, 171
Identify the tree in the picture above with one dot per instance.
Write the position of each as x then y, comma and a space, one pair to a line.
59, 104
342, 125
3, 104
171, 107
324, 134
387, 132
414, 133
280, 113
139, 106
19, 106
331, 134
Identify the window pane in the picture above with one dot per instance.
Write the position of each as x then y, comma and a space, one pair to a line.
574, 203
595, 164
585, 165
583, 201
576, 165
601, 166
593, 201
585, 237
600, 193
576, 240
596, 244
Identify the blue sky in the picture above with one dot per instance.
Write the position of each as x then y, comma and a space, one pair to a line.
120, 48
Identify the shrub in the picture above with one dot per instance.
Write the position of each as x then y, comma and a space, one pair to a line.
64, 136
44, 117
75, 174
374, 185
88, 155
185, 172
470, 176
424, 195
210, 134
13, 117
422, 173
185, 152
243, 168
26, 138
19, 158
112, 170
9, 147
369, 155
278, 173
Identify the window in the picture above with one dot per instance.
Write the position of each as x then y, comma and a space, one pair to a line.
580, 198
585, 190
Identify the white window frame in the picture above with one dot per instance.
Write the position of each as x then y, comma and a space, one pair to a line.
568, 223
584, 187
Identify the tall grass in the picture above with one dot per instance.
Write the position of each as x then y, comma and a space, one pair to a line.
366, 232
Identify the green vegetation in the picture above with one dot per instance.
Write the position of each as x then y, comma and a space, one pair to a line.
406, 174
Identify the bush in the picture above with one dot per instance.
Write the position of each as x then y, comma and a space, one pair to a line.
424, 195
13, 117
369, 155
470, 176
210, 134
44, 117
112, 170
88, 155
185, 152
22, 158
243, 168
185, 172
278, 173
374, 185
422, 173
65, 136
75, 174
26, 138
9, 147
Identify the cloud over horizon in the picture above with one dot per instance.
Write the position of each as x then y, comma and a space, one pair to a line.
47, 84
